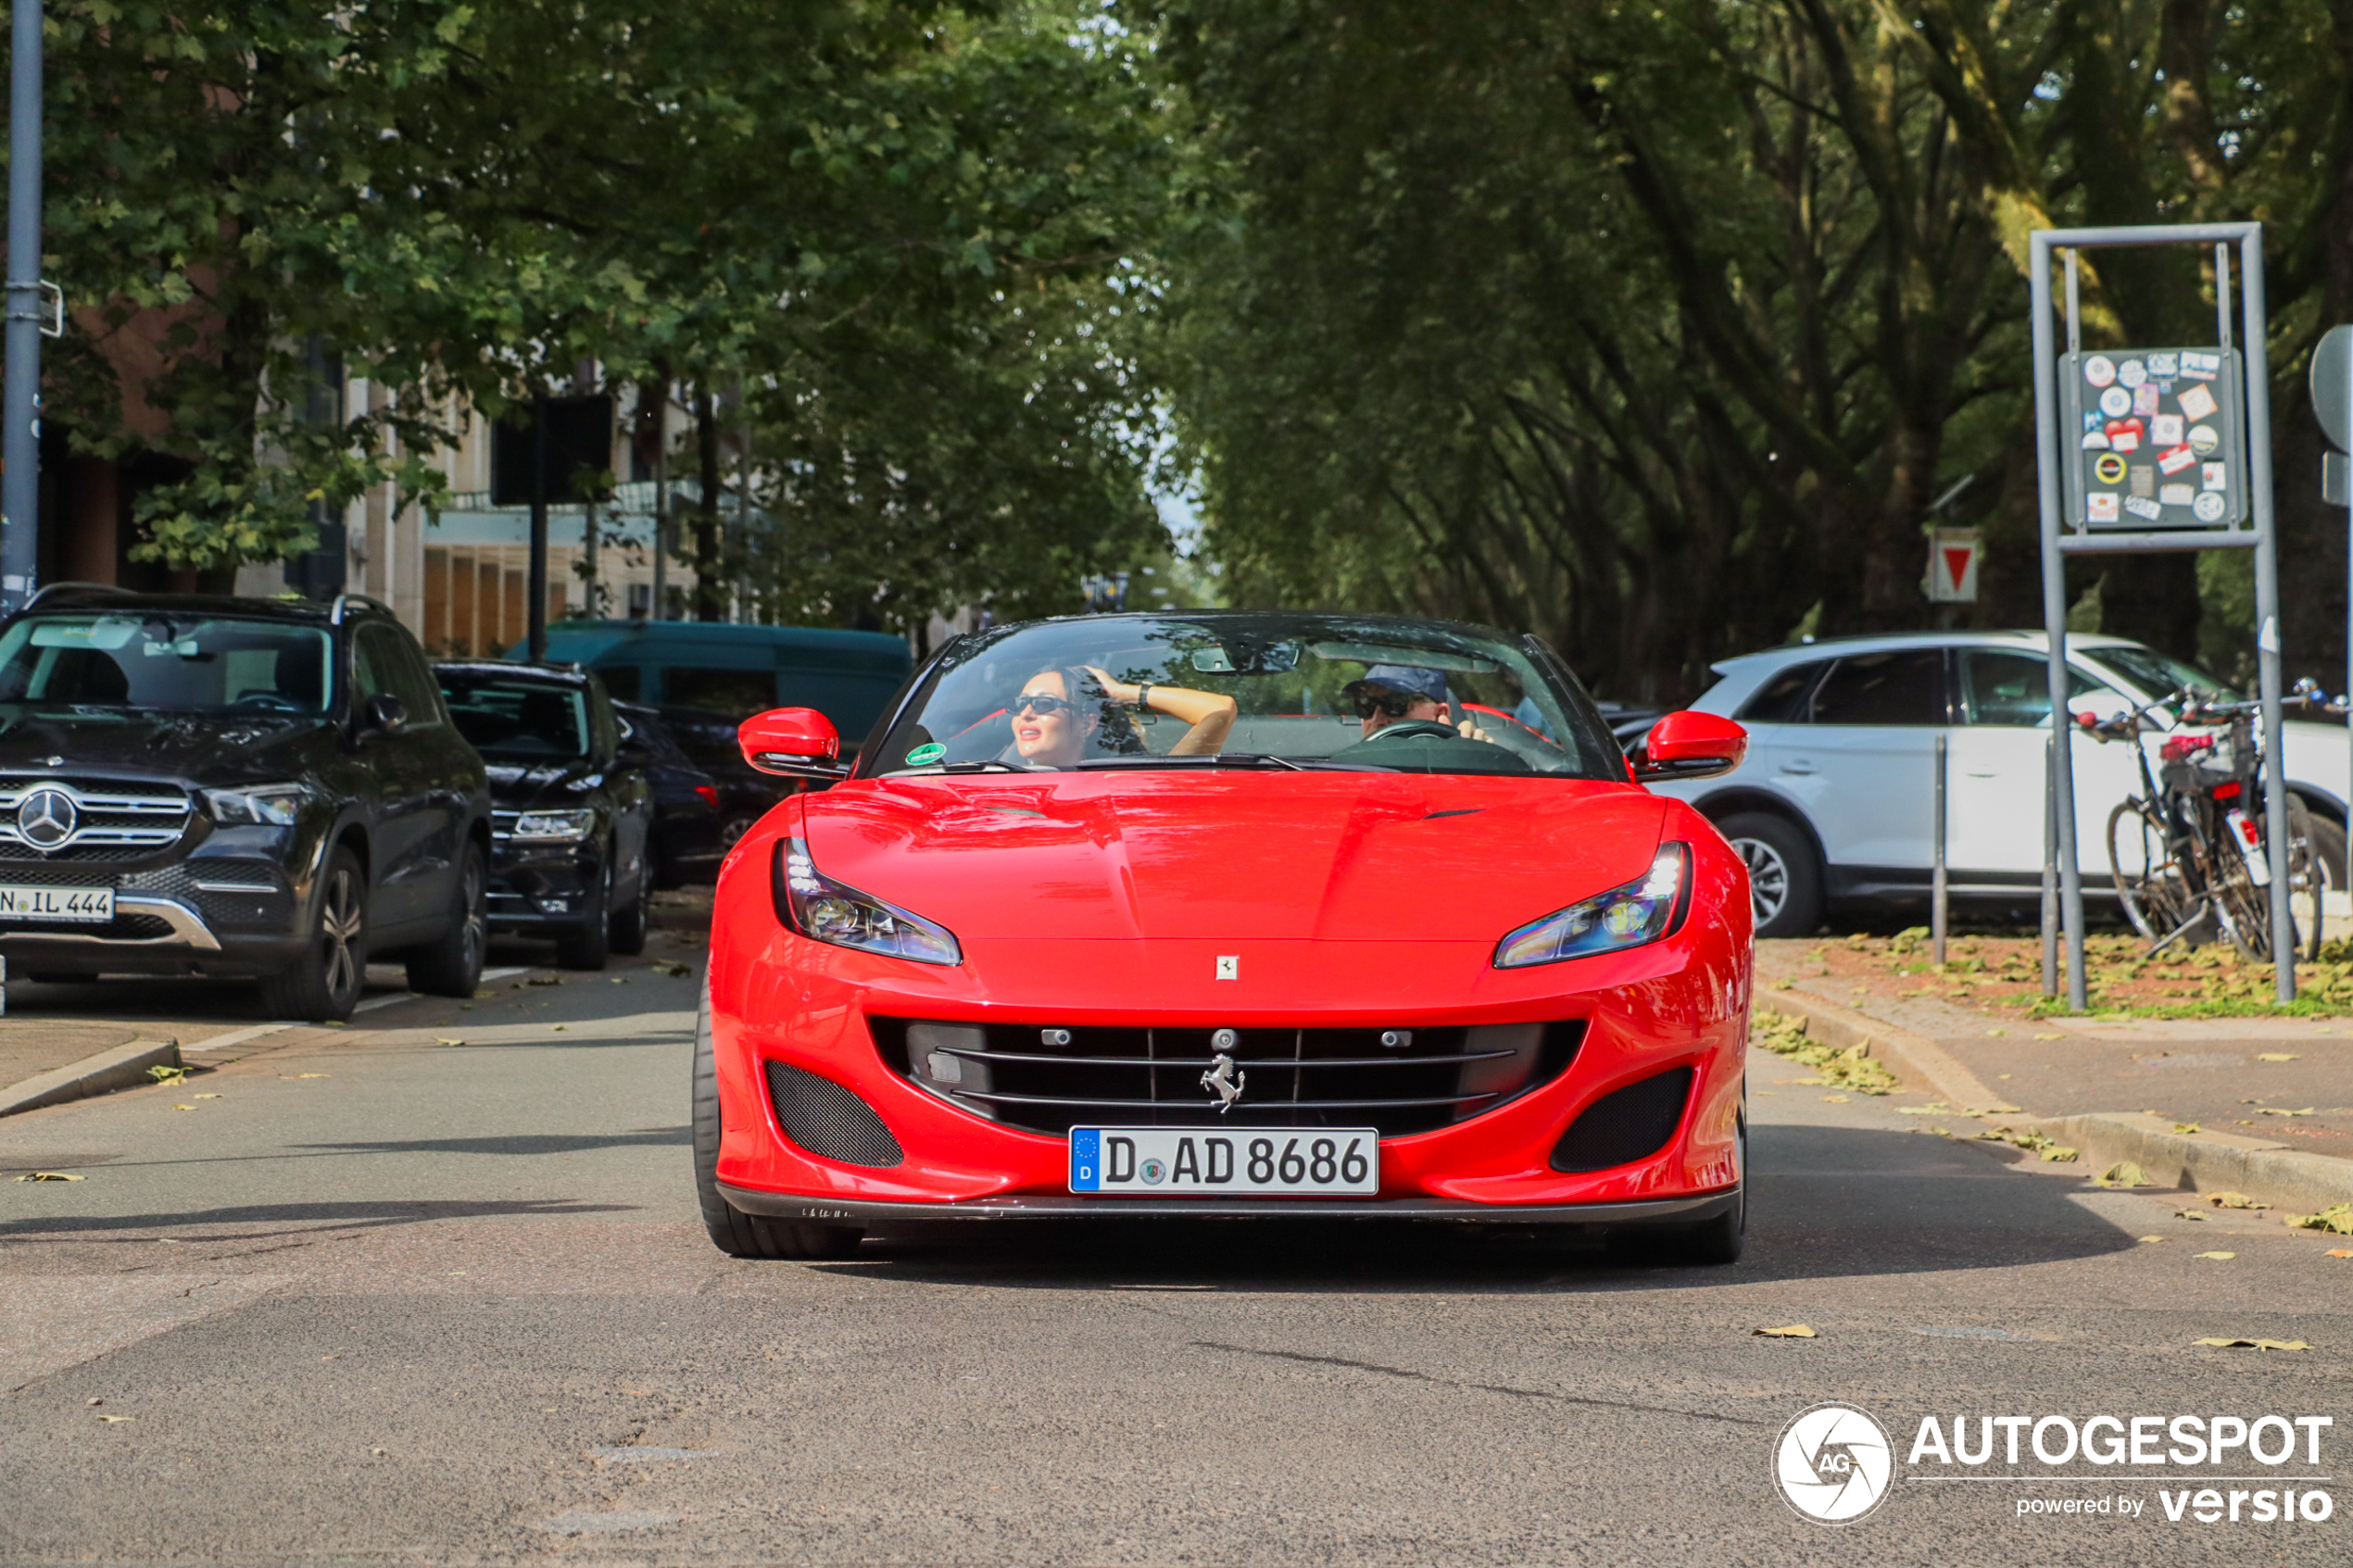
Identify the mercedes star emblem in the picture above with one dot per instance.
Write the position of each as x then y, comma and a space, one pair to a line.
46, 819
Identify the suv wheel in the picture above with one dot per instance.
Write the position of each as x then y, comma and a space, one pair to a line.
323, 984
627, 928
452, 965
1785, 878
586, 945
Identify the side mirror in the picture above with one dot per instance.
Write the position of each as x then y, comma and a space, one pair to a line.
798, 741
386, 714
1691, 745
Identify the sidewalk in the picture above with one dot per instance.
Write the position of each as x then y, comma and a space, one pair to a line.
2209, 1072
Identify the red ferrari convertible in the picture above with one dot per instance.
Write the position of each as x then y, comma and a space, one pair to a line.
1227, 914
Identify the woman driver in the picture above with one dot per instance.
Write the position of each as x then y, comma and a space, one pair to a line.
1057, 713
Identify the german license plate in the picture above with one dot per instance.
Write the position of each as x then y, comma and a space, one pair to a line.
1191, 1163
93, 904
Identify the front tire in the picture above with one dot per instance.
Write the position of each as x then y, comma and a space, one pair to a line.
323, 984
585, 946
1785, 874
452, 965
736, 1234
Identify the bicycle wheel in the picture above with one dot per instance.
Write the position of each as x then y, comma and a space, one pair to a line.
2243, 908
2307, 876
2154, 886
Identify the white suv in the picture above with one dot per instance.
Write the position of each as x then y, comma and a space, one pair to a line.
1834, 804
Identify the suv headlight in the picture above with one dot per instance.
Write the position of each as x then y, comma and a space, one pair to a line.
274, 805
1643, 910
555, 827
820, 908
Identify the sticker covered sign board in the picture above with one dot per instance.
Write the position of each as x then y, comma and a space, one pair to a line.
2169, 453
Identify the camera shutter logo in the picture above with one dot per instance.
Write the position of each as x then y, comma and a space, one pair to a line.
46, 819
1833, 1463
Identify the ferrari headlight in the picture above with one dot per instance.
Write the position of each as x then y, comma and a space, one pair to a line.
820, 908
1643, 910
273, 805
555, 827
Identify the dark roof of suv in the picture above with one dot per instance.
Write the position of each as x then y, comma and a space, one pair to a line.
87, 597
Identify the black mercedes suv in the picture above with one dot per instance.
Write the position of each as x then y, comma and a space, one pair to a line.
240, 787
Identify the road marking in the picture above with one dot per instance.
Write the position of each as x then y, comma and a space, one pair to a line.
239, 1036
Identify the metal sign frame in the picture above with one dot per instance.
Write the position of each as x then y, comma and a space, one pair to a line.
2064, 535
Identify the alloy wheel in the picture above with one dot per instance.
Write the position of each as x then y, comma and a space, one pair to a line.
1768, 877
341, 920
477, 927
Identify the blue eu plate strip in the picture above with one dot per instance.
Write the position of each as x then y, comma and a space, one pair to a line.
1086, 1159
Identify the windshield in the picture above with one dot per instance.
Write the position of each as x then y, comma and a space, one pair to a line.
168, 663
517, 719
1376, 692
2159, 676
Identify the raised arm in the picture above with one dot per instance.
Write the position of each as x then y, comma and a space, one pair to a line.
1211, 715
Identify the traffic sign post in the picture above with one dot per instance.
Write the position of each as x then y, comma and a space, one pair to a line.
2332, 401
2137, 480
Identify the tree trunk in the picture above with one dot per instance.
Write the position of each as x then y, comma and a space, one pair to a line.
711, 570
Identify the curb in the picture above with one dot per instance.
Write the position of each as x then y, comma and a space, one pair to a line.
1917, 1060
119, 1067
2286, 1178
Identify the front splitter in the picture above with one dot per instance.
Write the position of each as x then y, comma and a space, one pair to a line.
1050, 1205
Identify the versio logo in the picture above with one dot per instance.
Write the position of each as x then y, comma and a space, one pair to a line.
1833, 1463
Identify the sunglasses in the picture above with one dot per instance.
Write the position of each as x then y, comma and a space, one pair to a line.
1390, 703
1044, 704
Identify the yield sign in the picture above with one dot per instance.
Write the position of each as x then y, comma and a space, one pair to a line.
1952, 565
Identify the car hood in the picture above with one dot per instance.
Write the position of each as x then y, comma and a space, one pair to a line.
1328, 855
522, 788
214, 751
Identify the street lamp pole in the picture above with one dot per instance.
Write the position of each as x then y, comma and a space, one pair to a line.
20, 399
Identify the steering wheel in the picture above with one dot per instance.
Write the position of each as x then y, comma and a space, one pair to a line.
1415, 729
265, 702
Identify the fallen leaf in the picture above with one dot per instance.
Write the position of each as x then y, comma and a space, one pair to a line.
1835, 1100
314, 1074
2060, 1154
675, 970
2274, 1111
2218, 1257
2186, 1127
2152, 1238
2234, 1200
2122, 1174
2338, 1252
211, 1096
2188, 1214
480, 994
163, 1074
2253, 1344
1995, 1034
117, 1418
448, 1040
2336, 1218
1795, 1331
544, 980
559, 1028
1935, 1107
2043, 1037
51, 1176
620, 980
2277, 1056
184, 1108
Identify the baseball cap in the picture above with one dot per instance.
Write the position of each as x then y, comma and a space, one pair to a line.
1409, 679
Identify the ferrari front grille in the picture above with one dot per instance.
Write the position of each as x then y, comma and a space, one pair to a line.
1049, 1078
828, 1121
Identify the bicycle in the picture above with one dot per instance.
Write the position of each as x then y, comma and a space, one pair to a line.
2197, 852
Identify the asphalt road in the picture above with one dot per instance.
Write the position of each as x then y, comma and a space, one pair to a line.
390, 1300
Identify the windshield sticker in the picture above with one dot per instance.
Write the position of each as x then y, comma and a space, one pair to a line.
924, 756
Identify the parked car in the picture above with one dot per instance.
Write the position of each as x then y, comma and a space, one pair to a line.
241, 788
745, 793
739, 670
685, 845
1834, 807
571, 819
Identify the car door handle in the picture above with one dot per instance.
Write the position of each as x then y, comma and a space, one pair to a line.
1798, 765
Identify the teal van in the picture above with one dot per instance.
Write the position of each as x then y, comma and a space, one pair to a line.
740, 670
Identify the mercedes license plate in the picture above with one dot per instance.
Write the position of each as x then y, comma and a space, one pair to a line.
93, 904
1190, 1163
